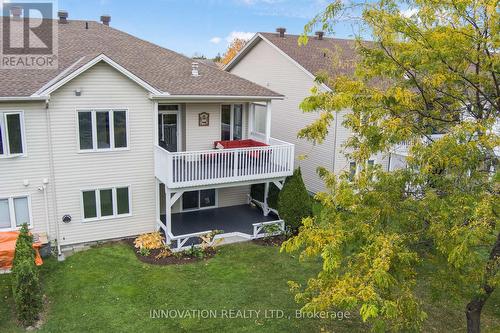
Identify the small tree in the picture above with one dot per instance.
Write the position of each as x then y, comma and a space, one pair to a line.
236, 45
294, 203
26, 282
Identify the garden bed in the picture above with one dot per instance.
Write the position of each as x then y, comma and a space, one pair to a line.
178, 258
271, 241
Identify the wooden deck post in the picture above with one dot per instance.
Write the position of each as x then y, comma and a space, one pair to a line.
168, 214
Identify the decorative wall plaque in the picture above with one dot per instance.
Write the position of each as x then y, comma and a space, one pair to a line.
203, 119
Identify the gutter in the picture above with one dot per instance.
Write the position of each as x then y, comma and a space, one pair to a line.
213, 97
23, 98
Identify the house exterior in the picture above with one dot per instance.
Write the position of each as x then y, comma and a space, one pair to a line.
276, 61
126, 137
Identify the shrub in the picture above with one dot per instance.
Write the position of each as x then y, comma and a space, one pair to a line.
207, 240
150, 241
144, 251
195, 252
26, 285
257, 193
294, 202
164, 252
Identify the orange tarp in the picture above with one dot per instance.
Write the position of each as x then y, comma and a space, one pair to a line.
8, 248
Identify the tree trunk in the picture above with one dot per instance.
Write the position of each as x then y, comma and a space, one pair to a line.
473, 313
473, 309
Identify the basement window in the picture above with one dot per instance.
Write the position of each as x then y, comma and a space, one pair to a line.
14, 212
104, 203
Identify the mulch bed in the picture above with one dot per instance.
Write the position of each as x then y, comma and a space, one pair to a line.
270, 241
180, 259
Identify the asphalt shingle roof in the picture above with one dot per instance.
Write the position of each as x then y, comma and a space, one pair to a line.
333, 55
163, 69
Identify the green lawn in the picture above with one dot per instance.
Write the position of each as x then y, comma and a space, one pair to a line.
106, 289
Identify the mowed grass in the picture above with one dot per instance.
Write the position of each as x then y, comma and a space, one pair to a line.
106, 289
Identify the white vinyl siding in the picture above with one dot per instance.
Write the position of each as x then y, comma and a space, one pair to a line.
103, 88
203, 137
12, 136
14, 212
24, 176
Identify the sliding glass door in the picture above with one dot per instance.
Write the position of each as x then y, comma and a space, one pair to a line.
232, 122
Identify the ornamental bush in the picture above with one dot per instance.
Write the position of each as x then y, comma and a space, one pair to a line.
26, 285
294, 202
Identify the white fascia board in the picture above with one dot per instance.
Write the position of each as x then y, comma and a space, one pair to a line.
93, 62
23, 98
248, 46
201, 98
253, 42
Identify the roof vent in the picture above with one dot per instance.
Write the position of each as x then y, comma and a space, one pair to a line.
194, 69
105, 19
281, 32
319, 35
16, 12
63, 16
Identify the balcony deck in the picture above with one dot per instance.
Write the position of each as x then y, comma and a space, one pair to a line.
216, 166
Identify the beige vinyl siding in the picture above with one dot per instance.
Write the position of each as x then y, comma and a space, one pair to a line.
203, 137
33, 167
103, 87
232, 196
267, 66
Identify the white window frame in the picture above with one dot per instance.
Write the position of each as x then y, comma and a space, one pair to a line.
216, 203
231, 130
5, 135
97, 194
12, 212
93, 112
179, 127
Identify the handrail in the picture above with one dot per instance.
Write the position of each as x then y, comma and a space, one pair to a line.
213, 166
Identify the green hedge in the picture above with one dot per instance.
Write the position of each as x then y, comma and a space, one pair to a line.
26, 286
294, 202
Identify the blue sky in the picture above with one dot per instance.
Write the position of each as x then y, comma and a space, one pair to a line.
199, 26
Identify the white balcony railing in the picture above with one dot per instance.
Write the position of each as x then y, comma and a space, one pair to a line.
216, 166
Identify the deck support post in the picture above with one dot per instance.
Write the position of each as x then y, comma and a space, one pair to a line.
157, 202
168, 214
265, 207
268, 121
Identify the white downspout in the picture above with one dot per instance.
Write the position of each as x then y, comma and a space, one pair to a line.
60, 255
46, 203
335, 142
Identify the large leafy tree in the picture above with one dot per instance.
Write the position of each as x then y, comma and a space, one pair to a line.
434, 71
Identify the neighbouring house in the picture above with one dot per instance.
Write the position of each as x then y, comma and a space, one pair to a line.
127, 137
276, 61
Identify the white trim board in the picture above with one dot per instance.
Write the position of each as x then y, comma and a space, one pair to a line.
211, 98
90, 64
